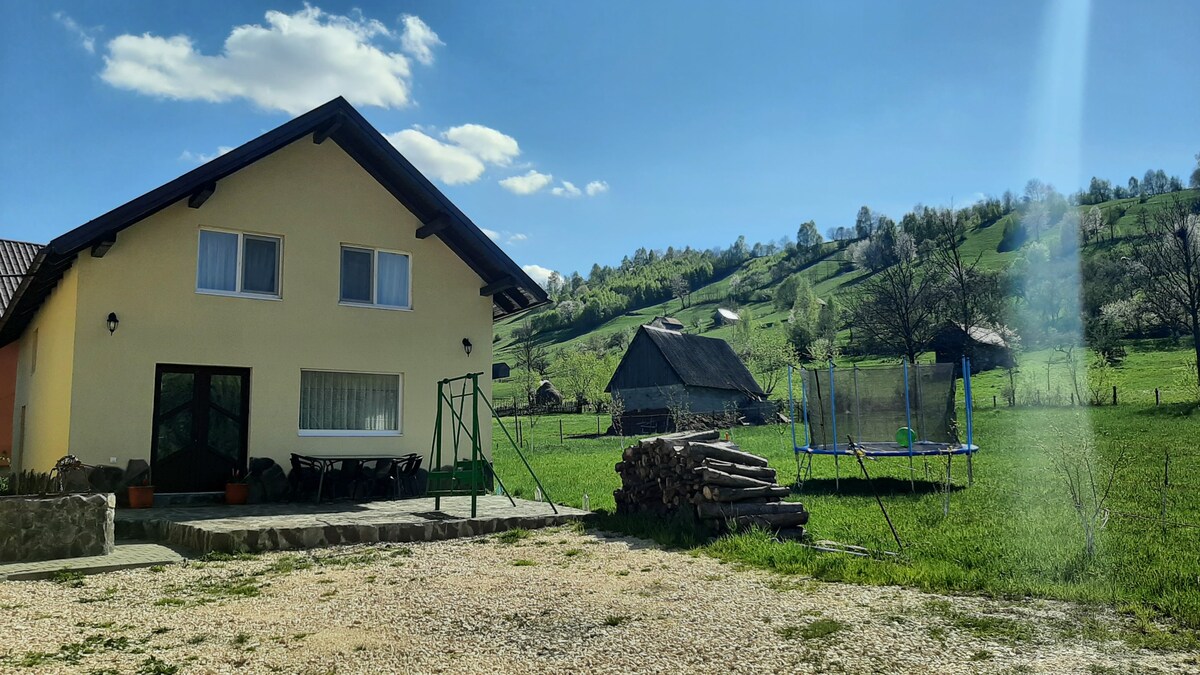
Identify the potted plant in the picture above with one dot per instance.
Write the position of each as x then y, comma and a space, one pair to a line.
236, 489
141, 496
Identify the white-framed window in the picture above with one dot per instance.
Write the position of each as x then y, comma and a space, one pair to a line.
336, 403
238, 263
376, 278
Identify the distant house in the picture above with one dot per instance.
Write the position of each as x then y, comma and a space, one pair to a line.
667, 323
725, 317
665, 369
986, 347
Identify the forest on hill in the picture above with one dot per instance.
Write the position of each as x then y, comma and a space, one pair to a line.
1042, 269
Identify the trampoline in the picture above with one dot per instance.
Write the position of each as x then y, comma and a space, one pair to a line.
907, 410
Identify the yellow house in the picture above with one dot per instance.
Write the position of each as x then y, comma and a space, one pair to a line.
303, 293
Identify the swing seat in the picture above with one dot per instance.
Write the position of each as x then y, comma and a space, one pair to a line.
463, 479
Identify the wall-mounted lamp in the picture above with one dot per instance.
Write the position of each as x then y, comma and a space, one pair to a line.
113, 321
467, 346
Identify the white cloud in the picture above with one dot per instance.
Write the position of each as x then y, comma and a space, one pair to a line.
596, 187
292, 63
526, 184
87, 37
449, 163
567, 189
485, 143
517, 236
537, 273
200, 157
418, 39
463, 159
491, 234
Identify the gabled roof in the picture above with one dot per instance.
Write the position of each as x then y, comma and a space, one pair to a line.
15, 259
511, 288
698, 361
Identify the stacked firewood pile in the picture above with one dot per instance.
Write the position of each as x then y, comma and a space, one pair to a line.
713, 479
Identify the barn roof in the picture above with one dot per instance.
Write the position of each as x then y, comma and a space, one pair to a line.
699, 361
15, 259
979, 335
511, 289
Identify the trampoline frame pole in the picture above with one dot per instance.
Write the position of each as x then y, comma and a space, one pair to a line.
792, 409
908, 425
857, 408
804, 410
837, 476
970, 420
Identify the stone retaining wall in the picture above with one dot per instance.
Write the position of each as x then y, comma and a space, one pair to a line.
59, 526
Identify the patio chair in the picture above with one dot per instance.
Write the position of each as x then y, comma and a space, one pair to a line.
378, 481
406, 475
304, 478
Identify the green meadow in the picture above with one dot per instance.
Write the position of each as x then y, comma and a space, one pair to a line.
1012, 533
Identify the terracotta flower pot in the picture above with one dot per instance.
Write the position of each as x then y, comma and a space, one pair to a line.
236, 493
141, 496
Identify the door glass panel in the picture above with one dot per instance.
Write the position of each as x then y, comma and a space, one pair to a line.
175, 390
225, 391
175, 433
224, 434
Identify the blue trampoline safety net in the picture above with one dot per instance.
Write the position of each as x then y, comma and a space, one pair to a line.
870, 405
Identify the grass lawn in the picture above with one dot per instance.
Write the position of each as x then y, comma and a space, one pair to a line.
1013, 533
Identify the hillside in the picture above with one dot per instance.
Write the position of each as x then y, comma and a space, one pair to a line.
831, 274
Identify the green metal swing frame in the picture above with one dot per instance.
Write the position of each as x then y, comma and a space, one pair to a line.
467, 476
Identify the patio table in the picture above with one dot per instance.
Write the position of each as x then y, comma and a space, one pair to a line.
326, 462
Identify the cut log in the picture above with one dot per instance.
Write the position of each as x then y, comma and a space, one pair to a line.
714, 477
724, 453
772, 520
756, 472
682, 438
712, 510
724, 494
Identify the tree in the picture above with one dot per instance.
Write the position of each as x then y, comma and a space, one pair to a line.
1036, 191
1167, 262
864, 223
532, 359
828, 317
769, 354
802, 319
1195, 180
971, 293
808, 239
582, 375
897, 306
680, 289
1135, 188
1092, 224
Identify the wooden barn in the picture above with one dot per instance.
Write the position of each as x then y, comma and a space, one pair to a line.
986, 347
665, 369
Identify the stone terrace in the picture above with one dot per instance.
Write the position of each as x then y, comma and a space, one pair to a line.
268, 527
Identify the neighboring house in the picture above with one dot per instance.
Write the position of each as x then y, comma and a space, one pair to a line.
667, 323
15, 258
301, 293
664, 371
725, 317
986, 347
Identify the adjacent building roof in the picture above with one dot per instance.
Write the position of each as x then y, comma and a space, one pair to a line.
15, 259
509, 286
696, 360
978, 334
667, 322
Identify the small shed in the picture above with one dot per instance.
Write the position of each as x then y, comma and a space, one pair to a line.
986, 347
547, 394
667, 323
725, 317
665, 371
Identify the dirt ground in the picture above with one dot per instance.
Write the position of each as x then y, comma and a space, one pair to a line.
547, 601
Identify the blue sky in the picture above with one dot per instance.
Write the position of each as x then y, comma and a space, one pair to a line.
692, 123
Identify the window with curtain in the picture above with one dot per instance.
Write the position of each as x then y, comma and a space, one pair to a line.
335, 403
237, 263
375, 277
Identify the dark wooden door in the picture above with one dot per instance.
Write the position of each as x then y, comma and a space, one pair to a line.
201, 424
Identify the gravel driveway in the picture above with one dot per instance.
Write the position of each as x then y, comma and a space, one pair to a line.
550, 601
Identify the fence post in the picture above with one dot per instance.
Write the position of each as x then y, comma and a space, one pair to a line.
1157, 397
560, 436
1114, 394
993, 400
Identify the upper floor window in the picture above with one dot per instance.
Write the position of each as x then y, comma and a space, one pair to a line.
374, 277
238, 264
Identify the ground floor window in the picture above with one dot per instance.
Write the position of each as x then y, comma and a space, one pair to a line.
349, 404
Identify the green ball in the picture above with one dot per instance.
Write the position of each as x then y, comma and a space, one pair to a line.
904, 435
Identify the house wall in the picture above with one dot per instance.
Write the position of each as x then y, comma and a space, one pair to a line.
8, 394
45, 390
316, 198
697, 399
